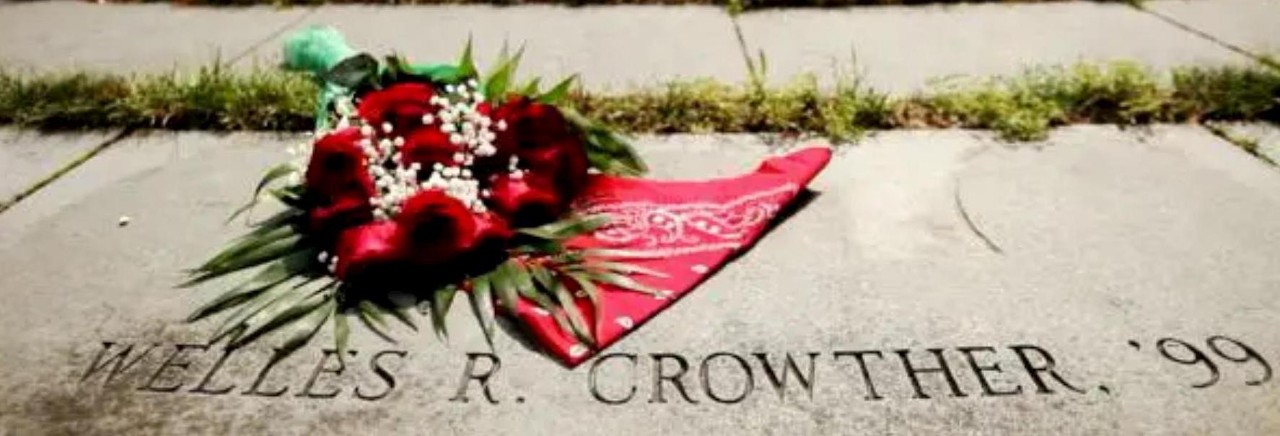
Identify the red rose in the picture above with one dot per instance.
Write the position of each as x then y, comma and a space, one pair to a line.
402, 105
427, 146
337, 182
489, 247
527, 201
529, 125
435, 227
564, 162
364, 247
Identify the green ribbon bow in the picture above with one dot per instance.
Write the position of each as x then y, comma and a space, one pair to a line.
322, 52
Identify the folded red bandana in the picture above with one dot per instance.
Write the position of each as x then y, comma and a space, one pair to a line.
683, 229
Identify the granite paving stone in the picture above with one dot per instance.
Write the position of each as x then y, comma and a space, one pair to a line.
1106, 242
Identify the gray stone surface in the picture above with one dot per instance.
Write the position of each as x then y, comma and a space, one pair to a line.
1267, 136
1104, 236
132, 38
900, 49
28, 157
611, 47
1246, 23
903, 49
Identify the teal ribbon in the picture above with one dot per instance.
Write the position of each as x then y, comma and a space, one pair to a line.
322, 52
316, 50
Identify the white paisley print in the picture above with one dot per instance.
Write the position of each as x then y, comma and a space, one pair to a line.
656, 229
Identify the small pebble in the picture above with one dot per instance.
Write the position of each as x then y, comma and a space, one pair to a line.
123, 221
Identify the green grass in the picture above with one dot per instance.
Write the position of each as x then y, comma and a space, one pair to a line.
1022, 107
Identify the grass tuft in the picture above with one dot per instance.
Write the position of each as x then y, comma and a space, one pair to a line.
1022, 107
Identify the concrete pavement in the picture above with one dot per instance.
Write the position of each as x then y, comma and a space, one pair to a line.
899, 49
1109, 242
941, 282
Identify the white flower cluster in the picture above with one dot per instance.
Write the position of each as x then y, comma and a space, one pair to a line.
457, 116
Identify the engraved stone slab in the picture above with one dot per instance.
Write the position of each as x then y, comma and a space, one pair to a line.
939, 282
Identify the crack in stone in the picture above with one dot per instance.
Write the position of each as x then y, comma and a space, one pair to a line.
57, 174
968, 221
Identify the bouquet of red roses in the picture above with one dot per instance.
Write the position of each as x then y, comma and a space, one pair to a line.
423, 181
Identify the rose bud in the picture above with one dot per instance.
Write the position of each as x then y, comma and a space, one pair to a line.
565, 162
526, 201
402, 105
364, 248
428, 146
337, 185
529, 125
490, 244
435, 227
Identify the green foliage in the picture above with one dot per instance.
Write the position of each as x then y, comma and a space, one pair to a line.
1227, 93
1021, 107
1025, 106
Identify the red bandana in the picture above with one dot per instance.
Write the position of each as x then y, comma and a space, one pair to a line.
684, 229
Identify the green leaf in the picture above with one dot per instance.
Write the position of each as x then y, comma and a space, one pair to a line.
505, 286
624, 283
437, 73
290, 195
304, 329
613, 253
606, 151
255, 256
540, 247
621, 268
495, 86
371, 316
531, 88
526, 289
441, 301
270, 276
482, 305
273, 174
567, 228
576, 321
280, 315
247, 245
542, 275
523, 281
288, 217
264, 299
341, 332
558, 93
402, 314
467, 65
593, 294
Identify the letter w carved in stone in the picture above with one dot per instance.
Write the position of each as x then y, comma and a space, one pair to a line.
789, 366
119, 363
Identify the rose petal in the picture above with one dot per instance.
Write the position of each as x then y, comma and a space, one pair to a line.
364, 247
435, 227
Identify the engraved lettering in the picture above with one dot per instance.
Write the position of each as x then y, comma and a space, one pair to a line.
594, 385
173, 361
980, 370
747, 387
120, 361
779, 382
660, 376
913, 372
382, 373
862, 366
483, 378
1047, 366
